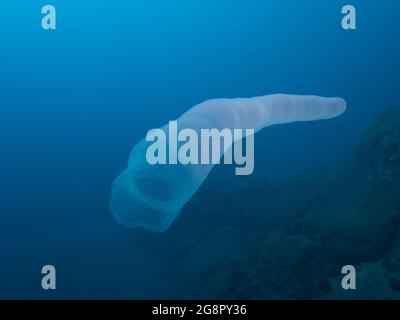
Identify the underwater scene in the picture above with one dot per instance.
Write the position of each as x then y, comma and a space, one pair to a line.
202, 149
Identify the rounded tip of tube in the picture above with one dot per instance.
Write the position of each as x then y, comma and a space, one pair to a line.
340, 106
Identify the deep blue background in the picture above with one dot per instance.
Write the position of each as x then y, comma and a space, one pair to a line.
74, 101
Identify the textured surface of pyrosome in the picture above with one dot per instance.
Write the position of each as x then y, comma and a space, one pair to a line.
152, 196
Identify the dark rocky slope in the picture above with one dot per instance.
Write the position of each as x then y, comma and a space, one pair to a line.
289, 240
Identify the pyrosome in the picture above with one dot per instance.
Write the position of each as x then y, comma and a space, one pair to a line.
152, 195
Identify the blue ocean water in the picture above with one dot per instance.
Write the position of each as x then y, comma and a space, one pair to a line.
74, 101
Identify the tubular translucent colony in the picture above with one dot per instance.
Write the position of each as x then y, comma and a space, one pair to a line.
152, 196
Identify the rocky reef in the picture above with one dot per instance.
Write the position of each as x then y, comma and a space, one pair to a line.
289, 240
